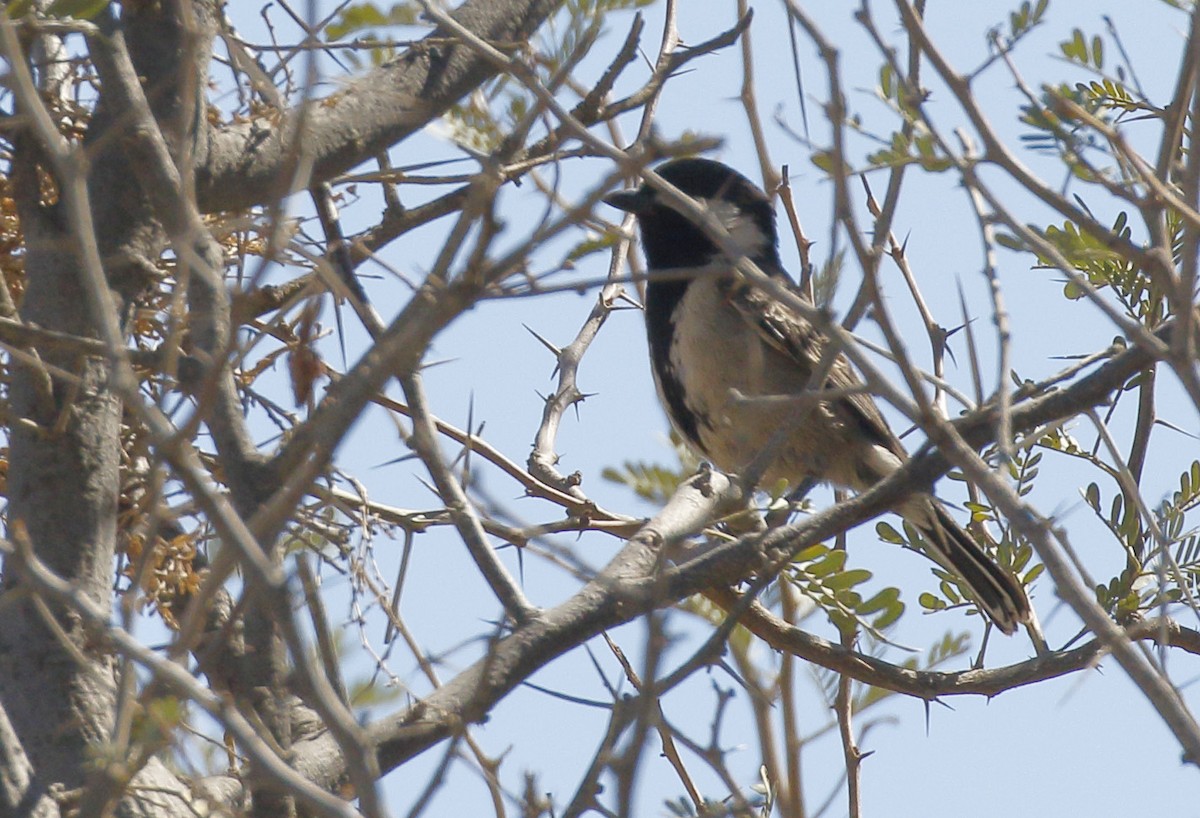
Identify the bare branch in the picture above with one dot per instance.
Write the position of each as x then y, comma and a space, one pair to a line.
370, 114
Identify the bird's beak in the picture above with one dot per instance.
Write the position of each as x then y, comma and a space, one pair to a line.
634, 200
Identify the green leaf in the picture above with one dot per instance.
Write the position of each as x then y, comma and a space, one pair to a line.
1011, 242
590, 245
884, 599
355, 18
79, 9
890, 615
848, 579
1021, 555
830, 563
843, 622
848, 600
823, 160
930, 602
928, 157
1075, 49
649, 481
1018, 21
979, 512
359, 17
887, 533
950, 592
811, 553
367, 692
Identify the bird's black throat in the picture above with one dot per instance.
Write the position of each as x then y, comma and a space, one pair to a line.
664, 293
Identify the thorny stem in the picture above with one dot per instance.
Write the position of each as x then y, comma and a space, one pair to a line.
851, 757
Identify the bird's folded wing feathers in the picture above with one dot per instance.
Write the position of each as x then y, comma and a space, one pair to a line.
782, 329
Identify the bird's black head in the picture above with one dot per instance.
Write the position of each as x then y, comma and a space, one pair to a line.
670, 240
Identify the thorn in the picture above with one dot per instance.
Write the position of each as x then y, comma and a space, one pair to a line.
628, 300
1174, 428
442, 362
733, 674
428, 485
341, 328
944, 336
557, 352
395, 460
872, 205
946, 333
470, 425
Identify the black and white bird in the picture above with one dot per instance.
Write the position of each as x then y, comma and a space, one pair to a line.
723, 353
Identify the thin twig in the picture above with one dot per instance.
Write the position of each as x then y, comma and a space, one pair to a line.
851, 757
424, 442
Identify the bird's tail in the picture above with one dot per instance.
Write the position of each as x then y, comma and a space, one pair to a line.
998, 593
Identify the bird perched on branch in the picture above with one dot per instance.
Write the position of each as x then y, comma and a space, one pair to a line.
733, 366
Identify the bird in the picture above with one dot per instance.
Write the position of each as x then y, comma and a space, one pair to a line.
724, 351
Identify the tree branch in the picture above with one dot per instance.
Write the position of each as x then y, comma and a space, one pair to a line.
368, 115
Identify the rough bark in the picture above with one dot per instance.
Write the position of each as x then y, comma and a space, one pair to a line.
63, 484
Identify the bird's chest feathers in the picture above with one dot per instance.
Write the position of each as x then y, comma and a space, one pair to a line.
714, 350
727, 388
709, 362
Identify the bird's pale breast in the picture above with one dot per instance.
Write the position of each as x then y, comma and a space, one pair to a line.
738, 387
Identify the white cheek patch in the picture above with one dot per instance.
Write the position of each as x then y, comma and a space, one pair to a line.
745, 233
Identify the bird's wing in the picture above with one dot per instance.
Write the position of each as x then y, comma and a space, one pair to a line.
783, 330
